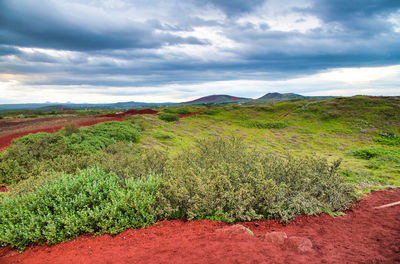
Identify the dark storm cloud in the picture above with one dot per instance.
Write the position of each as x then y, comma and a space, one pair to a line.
359, 16
44, 25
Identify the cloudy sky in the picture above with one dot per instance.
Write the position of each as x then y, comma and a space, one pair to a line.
175, 50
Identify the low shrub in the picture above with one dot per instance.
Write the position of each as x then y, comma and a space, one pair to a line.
43, 153
69, 130
168, 117
388, 138
377, 153
212, 111
222, 179
91, 202
263, 124
183, 110
163, 135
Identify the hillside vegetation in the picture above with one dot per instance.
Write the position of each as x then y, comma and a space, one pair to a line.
231, 163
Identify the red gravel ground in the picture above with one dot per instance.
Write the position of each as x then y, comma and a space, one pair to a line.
364, 235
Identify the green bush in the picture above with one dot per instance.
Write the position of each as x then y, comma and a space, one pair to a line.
163, 135
374, 153
168, 117
222, 179
69, 130
183, 110
263, 124
43, 153
90, 202
388, 138
212, 111
115, 131
130, 161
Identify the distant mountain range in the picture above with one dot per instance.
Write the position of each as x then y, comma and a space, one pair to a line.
207, 100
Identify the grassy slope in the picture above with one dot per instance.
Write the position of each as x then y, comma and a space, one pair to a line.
329, 129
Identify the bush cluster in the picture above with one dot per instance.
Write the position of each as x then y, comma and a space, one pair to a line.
388, 138
90, 202
218, 179
168, 117
264, 124
66, 150
222, 179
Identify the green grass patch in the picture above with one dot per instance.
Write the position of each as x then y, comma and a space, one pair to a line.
388, 138
163, 135
263, 124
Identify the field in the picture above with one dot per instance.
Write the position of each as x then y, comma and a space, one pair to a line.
259, 165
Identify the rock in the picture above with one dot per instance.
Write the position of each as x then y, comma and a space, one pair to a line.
275, 237
300, 244
236, 229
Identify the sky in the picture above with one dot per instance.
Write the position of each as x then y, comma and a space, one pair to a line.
100, 51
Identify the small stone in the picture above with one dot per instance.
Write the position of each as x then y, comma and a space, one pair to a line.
275, 237
300, 244
236, 229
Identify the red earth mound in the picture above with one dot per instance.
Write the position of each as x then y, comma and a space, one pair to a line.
364, 235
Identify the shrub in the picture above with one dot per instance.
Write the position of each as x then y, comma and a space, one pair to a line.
373, 152
92, 201
388, 138
222, 179
115, 131
69, 130
168, 117
163, 135
329, 115
42, 153
263, 124
183, 110
130, 161
212, 111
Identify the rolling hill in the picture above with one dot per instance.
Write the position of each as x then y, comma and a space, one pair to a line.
217, 99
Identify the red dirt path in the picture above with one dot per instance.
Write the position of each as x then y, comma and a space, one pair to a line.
364, 235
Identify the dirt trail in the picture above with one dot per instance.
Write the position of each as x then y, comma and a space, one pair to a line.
364, 235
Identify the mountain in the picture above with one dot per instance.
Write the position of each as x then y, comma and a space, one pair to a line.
217, 99
277, 97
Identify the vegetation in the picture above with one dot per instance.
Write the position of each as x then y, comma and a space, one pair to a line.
230, 163
221, 179
89, 202
41, 153
169, 117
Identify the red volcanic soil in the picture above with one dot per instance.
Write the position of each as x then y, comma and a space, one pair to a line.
14, 128
364, 235
3, 188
